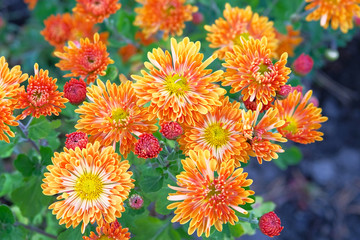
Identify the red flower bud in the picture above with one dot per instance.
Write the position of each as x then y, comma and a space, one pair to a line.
303, 64
283, 92
252, 105
357, 21
198, 18
75, 91
314, 101
270, 224
171, 130
147, 146
136, 201
76, 139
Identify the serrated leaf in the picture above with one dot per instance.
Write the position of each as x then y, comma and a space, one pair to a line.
24, 165
236, 230
39, 128
46, 155
30, 198
6, 215
111, 73
8, 182
151, 183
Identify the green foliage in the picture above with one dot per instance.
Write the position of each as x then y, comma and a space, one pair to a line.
6, 216
291, 156
25, 165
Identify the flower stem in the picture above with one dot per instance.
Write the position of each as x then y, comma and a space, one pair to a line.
252, 221
35, 229
24, 130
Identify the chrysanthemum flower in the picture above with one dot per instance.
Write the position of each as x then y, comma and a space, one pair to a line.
289, 41
75, 91
209, 197
260, 134
10, 80
76, 139
168, 16
226, 33
112, 231
178, 85
220, 132
339, 12
127, 51
147, 146
91, 185
41, 96
31, 3
270, 224
302, 119
112, 116
96, 10
86, 59
171, 130
250, 70
6, 118
143, 40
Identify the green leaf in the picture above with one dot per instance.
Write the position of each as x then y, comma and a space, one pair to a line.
236, 230
111, 73
149, 228
6, 215
261, 207
8, 148
55, 124
46, 155
30, 198
39, 128
71, 233
160, 198
10, 232
8, 182
24, 165
291, 156
151, 183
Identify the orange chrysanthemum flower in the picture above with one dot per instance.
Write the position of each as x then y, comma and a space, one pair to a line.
220, 132
178, 85
31, 3
250, 70
260, 134
226, 33
289, 41
41, 96
92, 183
113, 116
112, 231
6, 118
95, 10
127, 51
209, 197
85, 59
10, 80
302, 118
339, 12
168, 16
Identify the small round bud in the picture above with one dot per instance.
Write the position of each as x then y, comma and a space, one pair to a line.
270, 224
171, 130
283, 92
198, 17
76, 139
136, 201
303, 65
314, 101
75, 91
332, 54
357, 20
253, 106
147, 146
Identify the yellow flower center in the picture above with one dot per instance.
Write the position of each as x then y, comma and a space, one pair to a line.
292, 126
103, 237
237, 40
119, 115
89, 186
216, 136
263, 68
176, 84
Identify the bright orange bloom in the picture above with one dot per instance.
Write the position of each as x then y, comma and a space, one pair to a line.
126, 52
250, 70
85, 59
112, 116
226, 33
31, 3
289, 41
95, 10
208, 198
302, 118
6, 118
168, 16
339, 12
220, 132
92, 183
259, 134
178, 86
41, 96
112, 231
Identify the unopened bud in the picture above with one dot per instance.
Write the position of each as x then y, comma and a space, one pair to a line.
303, 65
270, 224
283, 92
331, 54
198, 18
76, 139
171, 130
75, 91
136, 201
147, 146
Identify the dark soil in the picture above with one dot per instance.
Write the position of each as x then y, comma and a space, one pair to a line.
320, 198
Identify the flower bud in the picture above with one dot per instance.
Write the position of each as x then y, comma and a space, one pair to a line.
314, 101
331, 54
252, 105
136, 201
147, 146
270, 224
198, 17
76, 139
171, 130
283, 92
303, 65
75, 91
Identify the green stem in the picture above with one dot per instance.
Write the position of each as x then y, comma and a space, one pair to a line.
272, 5
24, 130
35, 229
252, 221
